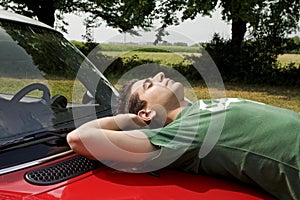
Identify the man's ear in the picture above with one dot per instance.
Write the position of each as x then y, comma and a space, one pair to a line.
146, 115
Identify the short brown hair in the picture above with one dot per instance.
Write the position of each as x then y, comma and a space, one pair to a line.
127, 102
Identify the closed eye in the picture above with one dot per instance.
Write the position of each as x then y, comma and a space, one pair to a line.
147, 84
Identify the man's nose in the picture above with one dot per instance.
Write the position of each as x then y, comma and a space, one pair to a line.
159, 77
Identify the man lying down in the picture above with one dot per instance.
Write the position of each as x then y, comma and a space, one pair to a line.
156, 127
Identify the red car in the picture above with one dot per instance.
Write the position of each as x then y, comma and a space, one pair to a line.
47, 88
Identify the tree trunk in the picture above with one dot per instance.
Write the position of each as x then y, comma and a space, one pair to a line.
46, 13
239, 28
238, 32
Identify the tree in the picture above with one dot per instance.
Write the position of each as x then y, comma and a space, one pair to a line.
44, 10
262, 18
125, 15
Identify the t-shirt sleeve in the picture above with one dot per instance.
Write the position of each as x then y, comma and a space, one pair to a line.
176, 141
181, 133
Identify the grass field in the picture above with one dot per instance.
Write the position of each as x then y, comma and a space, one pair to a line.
137, 47
289, 58
284, 97
165, 58
175, 55
56, 86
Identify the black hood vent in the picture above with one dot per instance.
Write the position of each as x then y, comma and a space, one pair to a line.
61, 171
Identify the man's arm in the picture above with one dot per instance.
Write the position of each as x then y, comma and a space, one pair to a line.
104, 139
121, 122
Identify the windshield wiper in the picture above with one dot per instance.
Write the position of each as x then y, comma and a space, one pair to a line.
32, 139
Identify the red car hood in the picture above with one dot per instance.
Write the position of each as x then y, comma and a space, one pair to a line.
106, 183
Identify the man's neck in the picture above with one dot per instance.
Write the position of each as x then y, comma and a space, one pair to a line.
172, 115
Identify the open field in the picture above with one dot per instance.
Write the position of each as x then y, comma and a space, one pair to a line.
284, 97
289, 58
167, 54
73, 91
165, 58
138, 47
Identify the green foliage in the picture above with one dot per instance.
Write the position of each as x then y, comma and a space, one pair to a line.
257, 63
151, 49
120, 66
188, 71
45, 11
124, 15
58, 56
296, 42
262, 19
85, 48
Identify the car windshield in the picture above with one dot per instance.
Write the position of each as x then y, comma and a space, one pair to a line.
46, 85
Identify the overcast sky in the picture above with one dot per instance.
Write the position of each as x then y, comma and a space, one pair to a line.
191, 31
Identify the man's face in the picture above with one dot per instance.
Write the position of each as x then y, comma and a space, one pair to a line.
159, 90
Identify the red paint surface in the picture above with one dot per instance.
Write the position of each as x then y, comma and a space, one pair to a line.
106, 183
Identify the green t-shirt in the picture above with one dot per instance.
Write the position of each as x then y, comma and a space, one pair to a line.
237, 138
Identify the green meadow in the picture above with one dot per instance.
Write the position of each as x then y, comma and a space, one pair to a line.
285, 97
